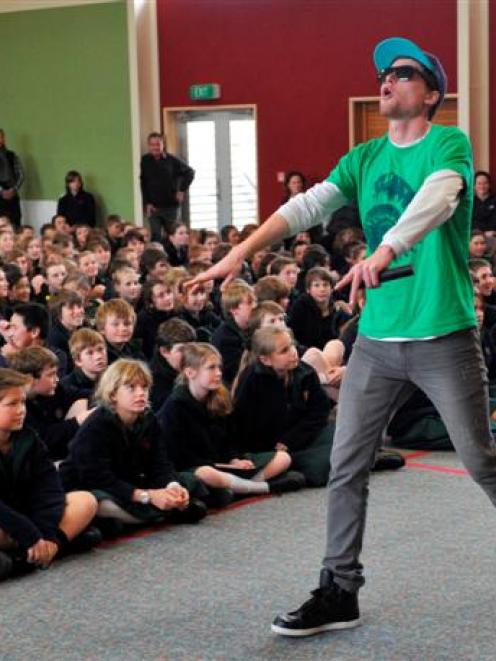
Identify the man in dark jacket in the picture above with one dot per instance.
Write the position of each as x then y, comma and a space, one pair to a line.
164, 182
11, 178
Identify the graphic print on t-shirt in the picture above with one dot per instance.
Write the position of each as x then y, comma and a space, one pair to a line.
392, 195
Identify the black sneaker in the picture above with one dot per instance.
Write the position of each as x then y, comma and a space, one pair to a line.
388, 460
109, 528
330, 609
6, 566
289, 481
85, 541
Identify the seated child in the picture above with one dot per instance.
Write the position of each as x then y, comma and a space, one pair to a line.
238, 301
47, 407
201, 436
280, 405
314, 318
89, 354
115, 320
158, 306
196, 311
50, 282
271, 288
127, 285
67, 315
287, 270
37, 520
121, 456
19, 290
153, 264
171, 337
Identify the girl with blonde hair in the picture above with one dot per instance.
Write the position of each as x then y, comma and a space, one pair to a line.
120, 454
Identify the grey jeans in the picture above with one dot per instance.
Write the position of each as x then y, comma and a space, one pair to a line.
160, 219
451, 371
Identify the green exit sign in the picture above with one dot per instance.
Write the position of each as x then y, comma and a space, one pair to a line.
205, 92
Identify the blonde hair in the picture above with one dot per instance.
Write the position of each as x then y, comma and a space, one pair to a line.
120, 273
234, 294
263, 343
194, 355
121, 373
82, 339
117, 307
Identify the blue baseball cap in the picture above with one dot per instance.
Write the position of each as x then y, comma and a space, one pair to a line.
389, 50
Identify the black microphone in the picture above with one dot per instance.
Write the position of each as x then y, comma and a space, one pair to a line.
398, 272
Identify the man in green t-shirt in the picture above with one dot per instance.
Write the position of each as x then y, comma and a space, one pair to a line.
413, 188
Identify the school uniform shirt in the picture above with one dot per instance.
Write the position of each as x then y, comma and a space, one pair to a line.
230, 341
46, 415
79, 209
484, 214
194, 436
176, 256
164, 379
77, 385
110, 456
268, 411
147, 326
131, 349
31, 495
310, 327
58, 339
204, 323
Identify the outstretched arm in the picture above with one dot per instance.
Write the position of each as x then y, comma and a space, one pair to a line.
298, 214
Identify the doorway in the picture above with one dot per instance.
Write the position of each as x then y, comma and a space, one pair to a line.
220, 145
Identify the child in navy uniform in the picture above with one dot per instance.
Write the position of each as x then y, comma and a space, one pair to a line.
37, 520
89, 355
172, 335
115, 320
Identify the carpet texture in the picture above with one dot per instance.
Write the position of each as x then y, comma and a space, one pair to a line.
210, 591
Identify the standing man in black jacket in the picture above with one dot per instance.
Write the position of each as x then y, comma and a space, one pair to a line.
11, 178
164, 182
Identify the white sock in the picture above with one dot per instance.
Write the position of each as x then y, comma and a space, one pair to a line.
240, 485
259, 477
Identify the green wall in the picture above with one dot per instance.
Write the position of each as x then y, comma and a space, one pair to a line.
65, 100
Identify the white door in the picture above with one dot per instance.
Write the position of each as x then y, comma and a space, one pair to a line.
221, 147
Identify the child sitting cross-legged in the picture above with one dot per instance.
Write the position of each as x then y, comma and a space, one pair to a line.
67, 315
127, 285
89, 354
115, 320
120, 454
280, 405
37, 520
171, 337
200, 432
196, 310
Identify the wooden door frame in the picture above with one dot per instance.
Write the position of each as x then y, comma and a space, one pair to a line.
353, 101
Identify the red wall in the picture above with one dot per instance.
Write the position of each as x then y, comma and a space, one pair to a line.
299, 61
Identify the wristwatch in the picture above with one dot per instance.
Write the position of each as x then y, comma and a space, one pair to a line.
144, 498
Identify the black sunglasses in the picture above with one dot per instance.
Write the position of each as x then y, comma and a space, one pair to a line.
406, 72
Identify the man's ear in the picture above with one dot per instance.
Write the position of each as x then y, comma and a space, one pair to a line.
432, 97
35, 333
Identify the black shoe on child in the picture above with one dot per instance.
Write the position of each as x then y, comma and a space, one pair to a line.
388, 460
6, 566
85, 541
330, 609
109, 528
289, 481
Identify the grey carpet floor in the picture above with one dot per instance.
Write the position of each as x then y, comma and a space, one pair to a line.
210, 591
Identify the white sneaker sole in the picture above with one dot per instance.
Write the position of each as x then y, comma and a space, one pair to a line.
300, 633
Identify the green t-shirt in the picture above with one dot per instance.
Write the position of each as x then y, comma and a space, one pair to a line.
383, 178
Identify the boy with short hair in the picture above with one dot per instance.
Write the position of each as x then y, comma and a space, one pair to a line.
115, 320
89, 355
67, 315
37, 519
166, 363
314, 318
238, 301
272, 288
114, 232
126, 285
46, 402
